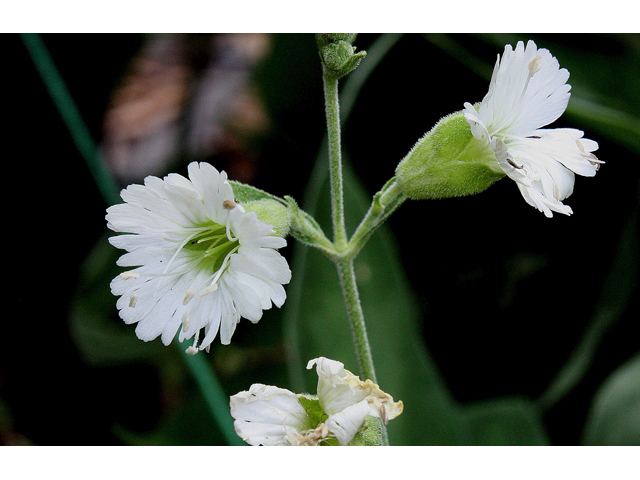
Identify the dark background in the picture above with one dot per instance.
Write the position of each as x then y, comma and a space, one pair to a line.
504, 293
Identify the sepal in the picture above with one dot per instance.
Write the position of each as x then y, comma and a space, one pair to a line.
272, 212
448, 161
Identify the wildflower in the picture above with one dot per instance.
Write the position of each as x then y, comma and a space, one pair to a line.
202, 261
267, 415
528, 90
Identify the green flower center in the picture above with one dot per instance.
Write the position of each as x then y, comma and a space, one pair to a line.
212, 245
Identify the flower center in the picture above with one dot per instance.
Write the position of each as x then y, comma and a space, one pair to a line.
212, 245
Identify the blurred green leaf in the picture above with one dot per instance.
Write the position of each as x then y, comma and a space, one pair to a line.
614, 418
616, 293
504, 422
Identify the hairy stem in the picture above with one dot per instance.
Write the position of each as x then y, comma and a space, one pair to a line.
332, 112
347, 276
344, 261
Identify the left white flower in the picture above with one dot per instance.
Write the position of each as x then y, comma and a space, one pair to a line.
202, 261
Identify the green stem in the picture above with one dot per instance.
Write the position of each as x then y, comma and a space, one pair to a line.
332, 111
384, 203
344, 261
350, 91
347, 277
349, 286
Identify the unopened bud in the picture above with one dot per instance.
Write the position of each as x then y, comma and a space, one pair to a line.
338, 54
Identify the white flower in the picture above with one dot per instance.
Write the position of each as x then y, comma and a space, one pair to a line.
347, 400
528, 90
267, 415
202, 261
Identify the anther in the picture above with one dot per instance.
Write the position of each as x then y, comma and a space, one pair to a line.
210, 289
189, 294
132, 300
193, 349
535, 65
128, 275
186, 321
513, 163
229, 204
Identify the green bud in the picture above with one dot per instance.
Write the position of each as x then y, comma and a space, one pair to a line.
448, 162
324, 39
337, 53
271, 212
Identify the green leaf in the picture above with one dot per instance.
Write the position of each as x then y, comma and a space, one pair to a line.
506, 422
316, 325
614, 418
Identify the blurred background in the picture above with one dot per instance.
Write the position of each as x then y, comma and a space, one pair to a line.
494, 324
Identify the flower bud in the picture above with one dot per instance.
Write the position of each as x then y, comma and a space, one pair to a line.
448, 162
324, 39
337, 53
271, 212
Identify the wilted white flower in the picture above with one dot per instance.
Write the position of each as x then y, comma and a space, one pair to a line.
202, 262
528, 90
267, 415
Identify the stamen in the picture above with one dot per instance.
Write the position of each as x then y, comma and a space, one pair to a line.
229, 204
193, 349
132, 300
229, 236
128, 275
214, 283
535, 65
512, 162
186, 321
189, 294
210, 289
593, 159
184, 242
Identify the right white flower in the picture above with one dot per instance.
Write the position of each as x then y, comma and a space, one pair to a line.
529, 90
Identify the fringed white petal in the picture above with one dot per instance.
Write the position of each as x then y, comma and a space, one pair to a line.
175, 228
528, 90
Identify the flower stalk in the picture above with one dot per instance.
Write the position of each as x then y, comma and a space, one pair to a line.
332, 112
344, 249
